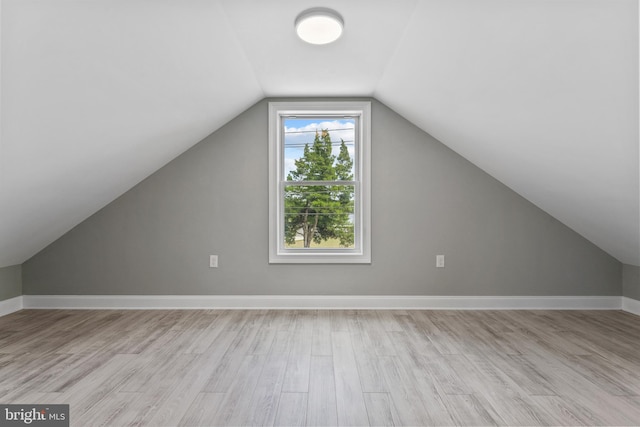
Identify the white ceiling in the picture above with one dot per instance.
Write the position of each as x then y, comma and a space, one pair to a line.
98, 94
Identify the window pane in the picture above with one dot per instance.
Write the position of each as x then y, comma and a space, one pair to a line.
319, 216
319, 149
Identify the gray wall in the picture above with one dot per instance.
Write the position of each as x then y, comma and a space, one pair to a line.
631, 281
426, 200
10, 282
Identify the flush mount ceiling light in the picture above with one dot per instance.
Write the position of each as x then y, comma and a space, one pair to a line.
319, 25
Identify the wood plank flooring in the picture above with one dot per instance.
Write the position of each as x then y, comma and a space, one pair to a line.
325, 368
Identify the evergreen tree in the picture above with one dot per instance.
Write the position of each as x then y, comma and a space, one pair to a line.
320, 212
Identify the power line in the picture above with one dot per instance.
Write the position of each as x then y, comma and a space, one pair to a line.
321, 130
302, 144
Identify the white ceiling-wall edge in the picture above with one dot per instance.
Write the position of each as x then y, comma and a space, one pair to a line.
52, 231
628, 253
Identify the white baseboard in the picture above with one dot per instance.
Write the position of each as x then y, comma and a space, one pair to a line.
320, 302
11, 305
631, 305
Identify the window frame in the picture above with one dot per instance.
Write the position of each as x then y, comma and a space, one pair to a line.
278, 112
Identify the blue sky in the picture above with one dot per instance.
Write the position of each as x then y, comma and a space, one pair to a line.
302, 131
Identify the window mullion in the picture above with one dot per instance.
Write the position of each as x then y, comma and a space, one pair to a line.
307, 183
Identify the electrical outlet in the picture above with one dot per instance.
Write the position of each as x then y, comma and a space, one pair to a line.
213, 261
440, 261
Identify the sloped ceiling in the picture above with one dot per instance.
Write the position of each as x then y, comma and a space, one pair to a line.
98, 94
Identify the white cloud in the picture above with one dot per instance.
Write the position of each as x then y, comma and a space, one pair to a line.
297, 137
338, 130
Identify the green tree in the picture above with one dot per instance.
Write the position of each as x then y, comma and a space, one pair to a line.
320, 212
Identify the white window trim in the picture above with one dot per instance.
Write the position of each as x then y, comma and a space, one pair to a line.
277, 253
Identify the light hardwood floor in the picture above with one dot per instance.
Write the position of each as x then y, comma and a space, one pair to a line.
314, 367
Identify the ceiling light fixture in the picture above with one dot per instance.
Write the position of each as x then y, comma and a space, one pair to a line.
319, 25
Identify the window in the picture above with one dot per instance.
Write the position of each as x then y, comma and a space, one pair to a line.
319, 173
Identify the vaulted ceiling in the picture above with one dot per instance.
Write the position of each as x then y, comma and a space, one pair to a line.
98, 94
